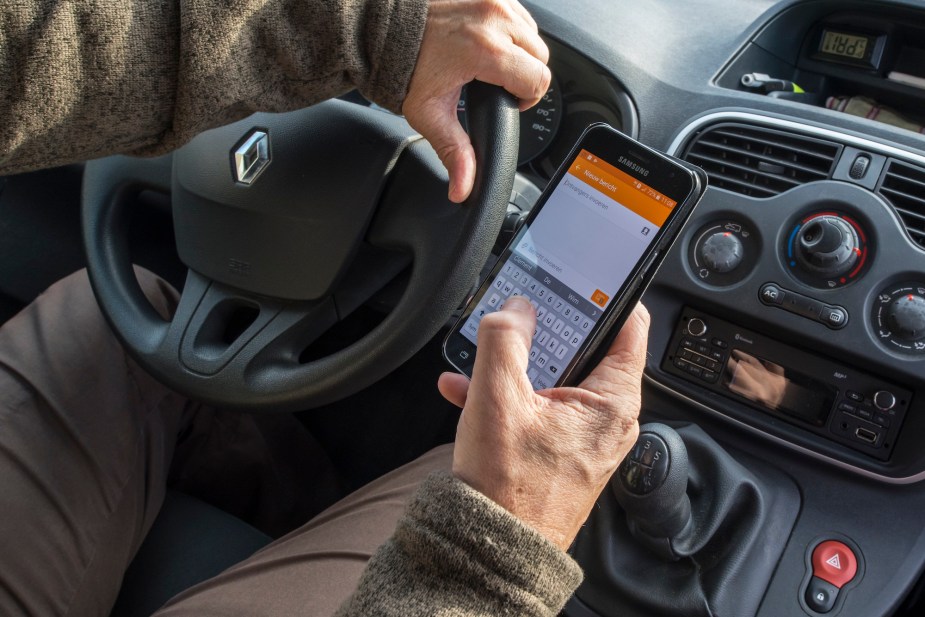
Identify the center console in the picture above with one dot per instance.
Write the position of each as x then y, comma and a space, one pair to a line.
792, 306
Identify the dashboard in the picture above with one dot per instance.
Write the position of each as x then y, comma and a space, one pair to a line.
788, 320
787, 343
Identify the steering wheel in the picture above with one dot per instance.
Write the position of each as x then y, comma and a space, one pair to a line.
287, 223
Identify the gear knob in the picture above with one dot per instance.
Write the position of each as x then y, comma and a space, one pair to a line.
651, 487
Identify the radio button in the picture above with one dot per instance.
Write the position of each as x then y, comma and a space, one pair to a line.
848, 407
884, 400
696, 327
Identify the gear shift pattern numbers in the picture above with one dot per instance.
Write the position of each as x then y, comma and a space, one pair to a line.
646, 465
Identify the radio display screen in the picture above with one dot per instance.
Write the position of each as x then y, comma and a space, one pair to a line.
777, 388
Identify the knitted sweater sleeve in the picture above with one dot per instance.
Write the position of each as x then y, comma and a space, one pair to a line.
455, 552
86, 78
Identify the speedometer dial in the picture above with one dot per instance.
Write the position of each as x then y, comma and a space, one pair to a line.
538, 125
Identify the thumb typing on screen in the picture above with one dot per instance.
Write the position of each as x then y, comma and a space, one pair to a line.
558, 446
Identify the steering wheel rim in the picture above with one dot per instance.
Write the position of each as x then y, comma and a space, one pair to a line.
411, 219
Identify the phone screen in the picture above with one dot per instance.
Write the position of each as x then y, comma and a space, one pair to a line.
573, 258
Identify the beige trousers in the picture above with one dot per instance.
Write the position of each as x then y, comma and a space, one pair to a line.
86, 442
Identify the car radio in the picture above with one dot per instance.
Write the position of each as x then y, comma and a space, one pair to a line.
835, 401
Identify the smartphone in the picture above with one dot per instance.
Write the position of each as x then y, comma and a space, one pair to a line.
585, 253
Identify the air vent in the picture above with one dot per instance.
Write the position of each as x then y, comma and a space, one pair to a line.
760, 162
903, 185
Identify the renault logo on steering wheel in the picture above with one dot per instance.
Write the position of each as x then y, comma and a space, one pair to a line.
251, 157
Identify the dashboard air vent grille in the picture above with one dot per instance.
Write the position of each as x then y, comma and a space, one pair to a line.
760, 162
903, 186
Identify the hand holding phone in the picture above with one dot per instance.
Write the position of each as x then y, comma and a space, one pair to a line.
585, 254
545, 456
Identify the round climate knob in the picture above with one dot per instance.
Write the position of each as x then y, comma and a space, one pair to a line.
722, 252
907, 317
827, 246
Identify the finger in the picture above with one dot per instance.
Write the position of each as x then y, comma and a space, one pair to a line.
531, 42
625, 360
523, 30
503, 350
518, 72
460, 164
439, 124
454, 388
524, 14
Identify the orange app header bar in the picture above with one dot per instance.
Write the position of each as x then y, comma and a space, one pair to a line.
623, 188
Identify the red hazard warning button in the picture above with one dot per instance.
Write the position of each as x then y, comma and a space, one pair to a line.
834, 562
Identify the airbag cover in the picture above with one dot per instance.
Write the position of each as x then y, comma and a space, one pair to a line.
292, 231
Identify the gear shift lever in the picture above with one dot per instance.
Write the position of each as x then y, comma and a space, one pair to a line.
651, 487
686, 529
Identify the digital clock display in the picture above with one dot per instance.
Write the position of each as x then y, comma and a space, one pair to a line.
845, 45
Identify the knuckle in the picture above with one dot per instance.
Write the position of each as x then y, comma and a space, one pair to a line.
492, 9
447, 152
486, 49
543, 51
630, 432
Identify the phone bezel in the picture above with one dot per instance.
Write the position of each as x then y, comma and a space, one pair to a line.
677, 180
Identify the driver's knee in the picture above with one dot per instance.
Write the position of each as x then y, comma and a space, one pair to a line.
161, 294
62, 344
69, 304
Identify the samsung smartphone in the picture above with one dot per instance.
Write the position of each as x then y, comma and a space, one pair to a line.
585, 253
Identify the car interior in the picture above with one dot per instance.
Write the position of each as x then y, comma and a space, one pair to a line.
781, 408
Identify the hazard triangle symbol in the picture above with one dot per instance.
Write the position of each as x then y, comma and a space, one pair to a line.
834, 561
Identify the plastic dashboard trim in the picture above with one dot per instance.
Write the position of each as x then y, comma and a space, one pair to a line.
859, 142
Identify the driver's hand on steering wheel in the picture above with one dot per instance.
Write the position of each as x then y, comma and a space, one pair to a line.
544, 456
494, 41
